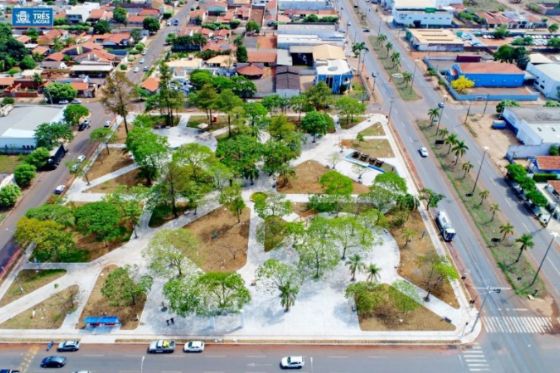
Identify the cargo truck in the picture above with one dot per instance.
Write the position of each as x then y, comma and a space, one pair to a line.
445, 228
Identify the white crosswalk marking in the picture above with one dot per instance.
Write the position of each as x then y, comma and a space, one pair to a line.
475, 359
518, 324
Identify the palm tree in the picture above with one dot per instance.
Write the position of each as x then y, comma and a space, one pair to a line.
506, 229
372, 271
526, 241
381, 39
483, 195
467, 167
459, 150
357, 49
388, 47
451, 140
443, 132
494, 208
354, 263
288, 293
433, 113
396, 59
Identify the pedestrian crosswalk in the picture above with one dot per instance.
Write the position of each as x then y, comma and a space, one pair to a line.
518, 324
475, 359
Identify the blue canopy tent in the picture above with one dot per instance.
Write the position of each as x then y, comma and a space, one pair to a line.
101, 321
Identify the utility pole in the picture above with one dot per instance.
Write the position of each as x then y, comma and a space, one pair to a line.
468, 113
489, 291
554, 235
479, 169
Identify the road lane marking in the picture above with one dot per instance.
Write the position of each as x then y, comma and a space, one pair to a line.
215, 356
338, 357
553, 265
256, 356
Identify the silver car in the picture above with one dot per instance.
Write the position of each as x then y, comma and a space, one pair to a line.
292, 362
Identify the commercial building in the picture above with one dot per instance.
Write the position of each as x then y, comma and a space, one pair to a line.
536, 128
18, 124
304, 4
547, 78
421, 13
332, 68
488, 74
435, 40
80, 13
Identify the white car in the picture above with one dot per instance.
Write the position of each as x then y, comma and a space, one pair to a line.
81, 158
292, 362
161, 346
194, 346
68, 346
136, 69
107, 123
60, 189
423, 151
142, 61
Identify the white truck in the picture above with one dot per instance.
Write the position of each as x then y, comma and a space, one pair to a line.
445, 228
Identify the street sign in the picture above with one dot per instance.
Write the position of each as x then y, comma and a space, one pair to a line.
32, 17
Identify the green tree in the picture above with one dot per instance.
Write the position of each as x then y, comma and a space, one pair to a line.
102, 27
243, 87
299, 104
122, 290
240, 154
553, 27
74, 112
318, 96
355, 263
483, 194
252, 26
407, 78
38, 157
205, 99
49, 135
9, 195
56, 92
551, 103
459, 149
167, 98
500, 32
58, 213
504, 104
52, 241
432, 198
231, 198
381, 38
151, 24
120, 14
466, 167
221, 293
241, 54
168, 250
27, 63
396, 59
433, 114
317, 123
317, 252
335, 183
226, 102
349, 107
349, 233
117, 95
462, 84
257, 114
149, 151
439, 269
103, 135
101, 219
24, 174
526, 242
391, 181
357, 49
372, 272
506, 230
451, 140
388, 48
285, 278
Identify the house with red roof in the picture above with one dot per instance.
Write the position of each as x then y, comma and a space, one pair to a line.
101, 14
135, 20
150, 12
266, 57
151, 84
114, 40
50, 36
198, 17
545, 164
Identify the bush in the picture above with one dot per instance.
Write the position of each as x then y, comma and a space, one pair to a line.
554, 150
24, 174
38, 157
516, 172
122, 67
9, 195
8, 101
541, 178
167, 15
234, 23
322, 203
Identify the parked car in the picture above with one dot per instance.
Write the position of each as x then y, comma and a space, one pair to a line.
144, 52
53, 362
194, 346
82, 126
63, 102
81, 158
60, 189
136, 69
161, 346
76, 101
142, 61
107, 123
146, 68
70, 345
366, 30
423, 151
9, 371
292, 362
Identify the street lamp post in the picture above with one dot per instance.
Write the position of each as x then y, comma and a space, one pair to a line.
142, 364
479, 169
373, 75
554, 235
485, 106
468, 113
390, 110
441, 106
416, 61
489, 291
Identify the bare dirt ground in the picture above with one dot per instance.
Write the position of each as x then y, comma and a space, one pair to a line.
306, 180
98, 305
131, 178
49, 314
106, 163
29, 280
223, 242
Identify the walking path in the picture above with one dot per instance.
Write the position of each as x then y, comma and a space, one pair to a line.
321, 311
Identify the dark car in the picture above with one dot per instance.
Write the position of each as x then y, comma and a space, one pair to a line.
9, 371
68, 346
85, 124
53, 362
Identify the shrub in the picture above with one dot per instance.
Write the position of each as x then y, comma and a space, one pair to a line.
322, 203
541, 178
8, 101
554, 150
9, 195
24, 174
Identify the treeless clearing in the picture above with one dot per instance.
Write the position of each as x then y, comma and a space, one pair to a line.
94, 248
29, 280
302, 210
378, 148
223, 241
306, 180
130, 179
373, 130
97, 305
410, 256
49, 314
106, 163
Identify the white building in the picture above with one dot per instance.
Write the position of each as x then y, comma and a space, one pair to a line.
17, 126
80, 13
547, 78
305, 4
308, 34
421, 13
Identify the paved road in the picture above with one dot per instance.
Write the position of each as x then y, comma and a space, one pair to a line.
508, 352
46, 182
244, 358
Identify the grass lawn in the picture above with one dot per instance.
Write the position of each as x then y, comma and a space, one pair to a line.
195, 120
406, 92
274, 231
306, 180
27, 281
419, 246
504, 252
97, 305
8, 163
373, 130
223, 241
130, 179
419, 319
106, 163
49, 314
356, 120
378, 148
